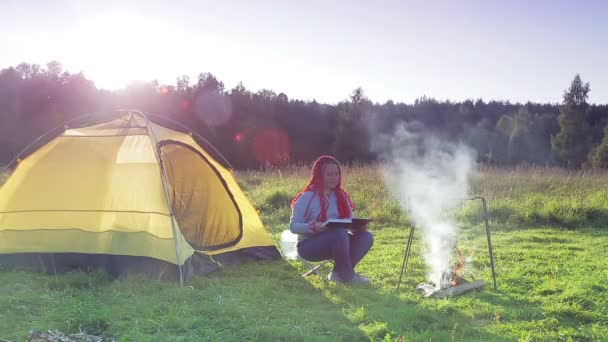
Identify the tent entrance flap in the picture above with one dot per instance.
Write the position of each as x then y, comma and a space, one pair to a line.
204, 207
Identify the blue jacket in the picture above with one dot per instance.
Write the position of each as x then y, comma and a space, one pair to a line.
302, 221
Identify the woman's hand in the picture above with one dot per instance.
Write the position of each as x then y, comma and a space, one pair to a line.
362, 227
318, 227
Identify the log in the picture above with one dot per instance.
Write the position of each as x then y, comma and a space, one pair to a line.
426, 289
459, 289
429, 290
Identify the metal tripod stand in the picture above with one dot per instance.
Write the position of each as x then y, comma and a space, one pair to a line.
408, 248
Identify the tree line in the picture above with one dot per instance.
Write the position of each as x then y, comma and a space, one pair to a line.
263, 128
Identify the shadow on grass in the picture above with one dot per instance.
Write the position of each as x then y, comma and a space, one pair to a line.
262, 301
383, 314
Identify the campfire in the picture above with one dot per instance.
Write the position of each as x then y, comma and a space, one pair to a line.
452, 283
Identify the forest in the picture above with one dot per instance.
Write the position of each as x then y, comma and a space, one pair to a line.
268, 129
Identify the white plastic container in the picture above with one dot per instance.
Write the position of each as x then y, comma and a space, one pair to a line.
289, 246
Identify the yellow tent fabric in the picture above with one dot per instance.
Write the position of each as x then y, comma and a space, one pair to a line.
99, 190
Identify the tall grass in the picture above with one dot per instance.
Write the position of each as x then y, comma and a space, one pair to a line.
534, 196
519, 197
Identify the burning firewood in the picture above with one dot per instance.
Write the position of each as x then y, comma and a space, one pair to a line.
451, 283
429, 290
459, 267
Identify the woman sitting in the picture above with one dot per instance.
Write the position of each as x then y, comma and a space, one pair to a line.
322, 199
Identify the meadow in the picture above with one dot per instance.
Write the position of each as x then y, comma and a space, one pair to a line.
550, 242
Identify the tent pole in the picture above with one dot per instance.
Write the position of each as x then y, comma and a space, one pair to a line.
198, 136
177, 251
163, 174
63, 125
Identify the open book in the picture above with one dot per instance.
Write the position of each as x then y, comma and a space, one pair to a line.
354, 223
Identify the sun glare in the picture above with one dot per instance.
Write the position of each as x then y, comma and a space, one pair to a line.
118, 50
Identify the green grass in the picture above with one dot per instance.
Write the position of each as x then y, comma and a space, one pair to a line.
551, 249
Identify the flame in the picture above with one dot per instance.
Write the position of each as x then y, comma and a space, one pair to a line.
458, 268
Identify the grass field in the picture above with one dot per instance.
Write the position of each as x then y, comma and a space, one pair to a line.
551, 248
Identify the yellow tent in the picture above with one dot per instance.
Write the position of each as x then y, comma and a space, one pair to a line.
128, 186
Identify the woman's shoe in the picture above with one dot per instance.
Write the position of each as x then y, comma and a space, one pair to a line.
359, 279
333, 276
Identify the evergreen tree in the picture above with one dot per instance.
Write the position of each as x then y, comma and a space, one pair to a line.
521, 140
571, 144
598, 158
352, 140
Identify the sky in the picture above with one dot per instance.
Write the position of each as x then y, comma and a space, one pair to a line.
512, 50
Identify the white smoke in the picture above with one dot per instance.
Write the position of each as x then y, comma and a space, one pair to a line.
430, 178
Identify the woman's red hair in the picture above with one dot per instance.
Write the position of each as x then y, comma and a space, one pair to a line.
316, 184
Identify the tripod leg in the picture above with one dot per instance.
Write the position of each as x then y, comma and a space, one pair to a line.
485, 217
406, 256
314, 269
409, 251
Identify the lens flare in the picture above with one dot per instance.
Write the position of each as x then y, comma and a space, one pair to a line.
271, 146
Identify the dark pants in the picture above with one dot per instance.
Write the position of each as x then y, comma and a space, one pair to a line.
336, 243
